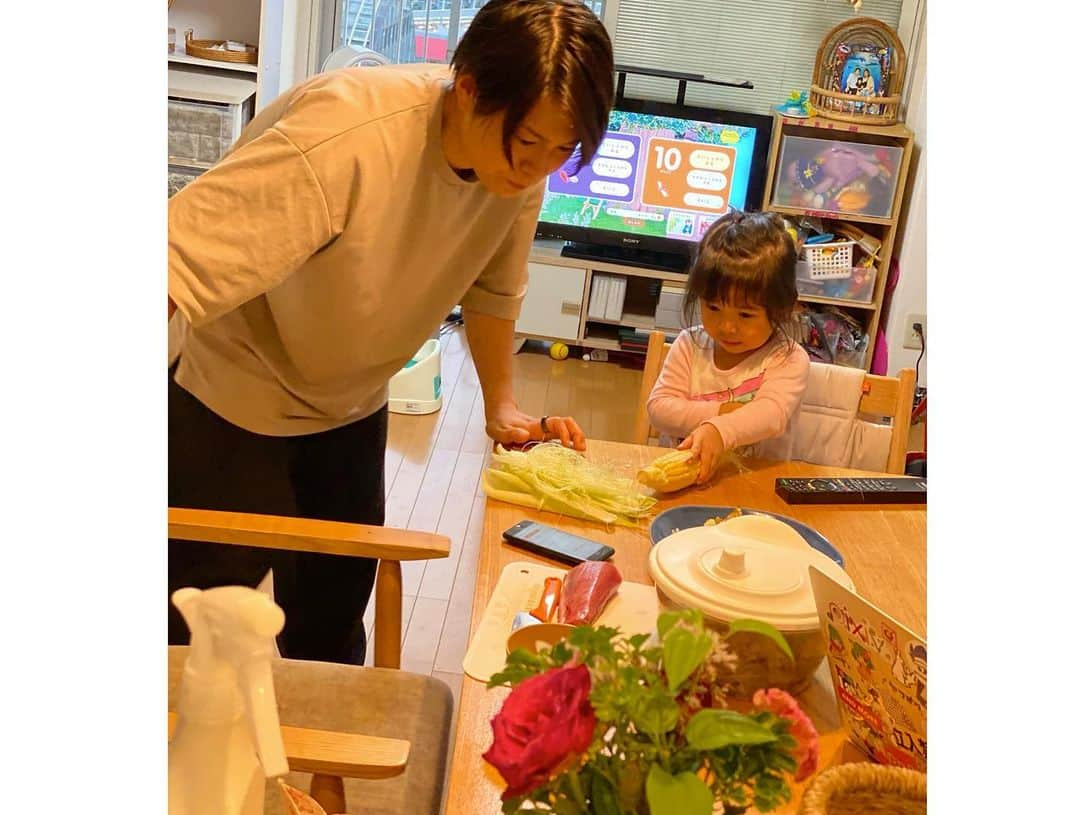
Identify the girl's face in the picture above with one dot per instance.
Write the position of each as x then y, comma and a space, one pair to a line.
737, 328
543, 141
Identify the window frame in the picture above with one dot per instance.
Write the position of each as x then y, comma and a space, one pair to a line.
327, 21
326, 35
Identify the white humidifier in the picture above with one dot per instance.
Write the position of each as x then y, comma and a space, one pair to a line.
417, 388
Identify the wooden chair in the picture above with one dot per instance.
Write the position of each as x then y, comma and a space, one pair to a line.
891, 397
654, 361
404, 718
882, 397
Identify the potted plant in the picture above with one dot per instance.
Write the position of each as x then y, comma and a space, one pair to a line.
603, 724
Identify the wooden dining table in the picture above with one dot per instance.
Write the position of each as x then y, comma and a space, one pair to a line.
884, 551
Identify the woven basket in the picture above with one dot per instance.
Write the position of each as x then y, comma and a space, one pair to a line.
830, 102
204, 49
866, 789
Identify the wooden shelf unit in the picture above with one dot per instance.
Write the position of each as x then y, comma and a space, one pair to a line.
556, 306
897, 135
262, 23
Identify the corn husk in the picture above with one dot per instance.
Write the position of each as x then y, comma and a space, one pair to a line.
553, 478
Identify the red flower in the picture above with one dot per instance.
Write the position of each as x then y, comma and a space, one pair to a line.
783, 704
544, 720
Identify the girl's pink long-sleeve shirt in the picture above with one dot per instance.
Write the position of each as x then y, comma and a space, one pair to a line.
769, 384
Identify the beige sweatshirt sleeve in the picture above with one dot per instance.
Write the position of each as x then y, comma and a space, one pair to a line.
243, 227
501, 286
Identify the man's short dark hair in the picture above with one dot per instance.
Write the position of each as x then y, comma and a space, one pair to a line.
520, 50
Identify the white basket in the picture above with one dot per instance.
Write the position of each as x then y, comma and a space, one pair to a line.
829, 261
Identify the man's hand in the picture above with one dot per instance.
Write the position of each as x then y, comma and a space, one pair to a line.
508, 425
706, 442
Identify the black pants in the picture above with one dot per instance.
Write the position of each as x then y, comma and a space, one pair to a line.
336, 475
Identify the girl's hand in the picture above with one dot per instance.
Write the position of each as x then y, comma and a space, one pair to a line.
508, 425
705, 441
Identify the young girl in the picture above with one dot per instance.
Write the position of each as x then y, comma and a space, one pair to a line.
736, 379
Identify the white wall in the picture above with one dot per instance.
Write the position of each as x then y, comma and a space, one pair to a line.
216, 20
910, 294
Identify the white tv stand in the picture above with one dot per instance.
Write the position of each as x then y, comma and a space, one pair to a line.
556, 306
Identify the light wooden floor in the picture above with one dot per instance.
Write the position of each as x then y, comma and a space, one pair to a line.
433, 466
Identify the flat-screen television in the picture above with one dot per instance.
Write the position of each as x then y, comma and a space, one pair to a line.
662, 175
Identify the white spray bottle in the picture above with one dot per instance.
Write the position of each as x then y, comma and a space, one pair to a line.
227, 740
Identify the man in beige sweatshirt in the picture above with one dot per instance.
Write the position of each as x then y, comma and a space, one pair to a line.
354, 213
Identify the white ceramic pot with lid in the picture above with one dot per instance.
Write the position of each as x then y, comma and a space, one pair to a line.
729, 577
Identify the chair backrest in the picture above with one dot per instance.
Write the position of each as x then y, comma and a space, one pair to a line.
389, 546
654, 360
882, 396
891, 397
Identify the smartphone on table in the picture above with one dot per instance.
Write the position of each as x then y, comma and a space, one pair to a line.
556, 544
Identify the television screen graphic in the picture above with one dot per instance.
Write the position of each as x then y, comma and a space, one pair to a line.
655, 176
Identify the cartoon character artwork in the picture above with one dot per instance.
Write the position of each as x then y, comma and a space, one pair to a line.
852, 693
864, 665
591, 209
917, 653
879, 675
901, 672
877, 639
836, 642
680, 224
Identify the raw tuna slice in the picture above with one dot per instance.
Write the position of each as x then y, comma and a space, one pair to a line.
586, 590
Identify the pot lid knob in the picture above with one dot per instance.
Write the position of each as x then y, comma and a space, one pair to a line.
732, 562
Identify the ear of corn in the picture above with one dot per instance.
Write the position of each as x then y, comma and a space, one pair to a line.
673, 471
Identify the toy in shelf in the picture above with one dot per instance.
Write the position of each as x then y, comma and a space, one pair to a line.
847, 178
796, 106
857, 284
831, 335
836, 260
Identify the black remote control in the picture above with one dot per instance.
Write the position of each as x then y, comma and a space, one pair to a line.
852, 490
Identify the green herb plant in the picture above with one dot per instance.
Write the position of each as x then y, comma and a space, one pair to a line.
662, 744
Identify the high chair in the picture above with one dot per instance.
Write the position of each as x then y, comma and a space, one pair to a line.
860, 403
380, 735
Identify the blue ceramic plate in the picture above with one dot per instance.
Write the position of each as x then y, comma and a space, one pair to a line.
686, 517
